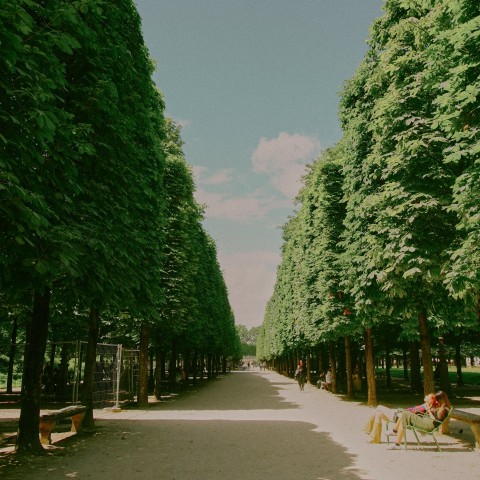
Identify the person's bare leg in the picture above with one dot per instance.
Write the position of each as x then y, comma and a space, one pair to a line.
397, 425
399, 437
380, 415
400, 433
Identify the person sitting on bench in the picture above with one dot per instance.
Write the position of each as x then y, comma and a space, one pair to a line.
434, 417
385, 414
327, 384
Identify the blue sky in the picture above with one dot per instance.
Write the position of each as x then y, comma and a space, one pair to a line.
254, 84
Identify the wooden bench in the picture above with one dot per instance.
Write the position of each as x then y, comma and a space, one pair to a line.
49, 419
471, 419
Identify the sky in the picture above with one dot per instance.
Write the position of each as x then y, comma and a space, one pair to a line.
255, 86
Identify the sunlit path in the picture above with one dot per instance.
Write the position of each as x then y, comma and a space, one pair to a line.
248, 425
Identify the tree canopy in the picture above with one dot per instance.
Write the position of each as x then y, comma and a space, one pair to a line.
98, 216
386, 234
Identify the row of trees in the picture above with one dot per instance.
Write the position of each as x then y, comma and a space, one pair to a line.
98, 219
248, 339
385, 245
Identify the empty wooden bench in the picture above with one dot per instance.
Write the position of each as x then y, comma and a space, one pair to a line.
49, 419
472, 419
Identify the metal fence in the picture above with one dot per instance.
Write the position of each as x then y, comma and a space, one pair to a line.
115, 374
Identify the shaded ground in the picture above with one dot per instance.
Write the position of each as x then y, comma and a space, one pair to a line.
243, 426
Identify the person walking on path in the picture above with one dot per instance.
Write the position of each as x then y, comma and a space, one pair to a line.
301, 375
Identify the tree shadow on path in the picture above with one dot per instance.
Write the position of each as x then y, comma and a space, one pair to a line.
236, 391
197, 450
247, 445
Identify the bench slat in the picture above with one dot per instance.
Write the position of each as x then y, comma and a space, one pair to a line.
64, 412
465, 416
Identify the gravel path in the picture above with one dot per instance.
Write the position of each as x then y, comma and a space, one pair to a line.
248, 426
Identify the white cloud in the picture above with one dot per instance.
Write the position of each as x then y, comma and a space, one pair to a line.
219, 178
254, 206
223, 205
284, 158
250, 278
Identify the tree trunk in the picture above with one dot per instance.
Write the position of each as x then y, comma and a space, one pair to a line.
90, 361
53, 353
151, 370
142, 399
388, 364
333, 366
370, 369
187, 365
158, 372
224, 364
341, 365
217, 364
202, 365
163, 364
172, 366
428, 380
62, 377
415, 375
445, 384
361, 364
209, 366
405, 362
458, 362
348, 362
321, 363
195, 366
28, 440
11, 357
309, 367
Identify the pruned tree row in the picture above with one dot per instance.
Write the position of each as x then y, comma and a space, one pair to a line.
101, 238
382, 253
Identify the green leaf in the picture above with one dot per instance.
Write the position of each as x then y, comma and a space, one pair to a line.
411, 272
41, 267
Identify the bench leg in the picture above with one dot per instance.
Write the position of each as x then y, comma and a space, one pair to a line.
46, 427
476, 432
388, 435
445, 428
77, 422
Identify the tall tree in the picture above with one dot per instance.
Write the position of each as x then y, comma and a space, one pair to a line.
412, 229
457, 117
120, 208
38, 183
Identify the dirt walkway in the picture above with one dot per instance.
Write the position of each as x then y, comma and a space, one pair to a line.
248, 426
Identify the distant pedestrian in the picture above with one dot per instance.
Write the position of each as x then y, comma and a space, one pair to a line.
301, 375
357, 380
180, 377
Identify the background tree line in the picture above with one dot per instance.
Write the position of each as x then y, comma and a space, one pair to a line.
248, 339
383, 251
101, 236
